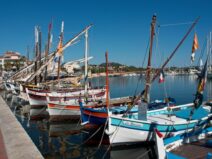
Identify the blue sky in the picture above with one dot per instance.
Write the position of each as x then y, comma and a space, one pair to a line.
120, 26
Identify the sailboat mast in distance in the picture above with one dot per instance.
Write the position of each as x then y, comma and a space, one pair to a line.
148, 71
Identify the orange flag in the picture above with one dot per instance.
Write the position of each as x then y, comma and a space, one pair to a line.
195, 46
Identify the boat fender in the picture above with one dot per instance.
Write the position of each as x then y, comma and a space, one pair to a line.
109, 132
84, 123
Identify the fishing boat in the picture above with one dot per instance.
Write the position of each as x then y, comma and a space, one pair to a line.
38, 98
139, 127
69, 108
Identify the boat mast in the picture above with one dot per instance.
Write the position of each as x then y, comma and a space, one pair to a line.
86, 61
60, 50
39, 51
210, 49
27, 61
52, 55
107, 80
27, 55
148, 71
47, 49
36, 52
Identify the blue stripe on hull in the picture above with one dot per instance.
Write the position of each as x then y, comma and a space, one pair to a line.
150, 126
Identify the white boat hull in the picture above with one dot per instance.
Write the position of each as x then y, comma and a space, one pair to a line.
63, 112
129, 129
122, 136
38, 102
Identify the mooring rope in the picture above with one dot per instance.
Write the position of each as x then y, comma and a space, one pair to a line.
89, 137
100, 139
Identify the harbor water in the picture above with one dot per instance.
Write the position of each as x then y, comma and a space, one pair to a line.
70, 140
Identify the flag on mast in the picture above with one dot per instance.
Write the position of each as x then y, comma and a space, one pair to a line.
195, 46
203, 79
162, 77
201, 85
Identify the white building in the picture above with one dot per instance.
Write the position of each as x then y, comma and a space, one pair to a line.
11, 58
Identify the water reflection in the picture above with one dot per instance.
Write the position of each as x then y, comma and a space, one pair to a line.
70, 140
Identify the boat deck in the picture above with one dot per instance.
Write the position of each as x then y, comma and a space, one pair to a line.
117, 101
196, 150
165, 119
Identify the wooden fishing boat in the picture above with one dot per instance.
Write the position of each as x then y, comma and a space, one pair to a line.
38, 98
68, 107
131, 129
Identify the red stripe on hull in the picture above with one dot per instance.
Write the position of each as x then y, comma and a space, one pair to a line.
50, 105
69, 107
37, 97
95, 114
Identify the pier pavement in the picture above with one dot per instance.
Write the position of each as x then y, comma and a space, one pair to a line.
14, 141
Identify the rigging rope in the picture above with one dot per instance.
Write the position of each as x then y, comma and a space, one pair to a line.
142, 67
174, 24
157, 45
202, 50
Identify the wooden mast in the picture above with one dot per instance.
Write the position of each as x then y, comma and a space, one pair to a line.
27, 61
39, 52
36, 52
60, 50
52, 55
148, 71
86, 62
107, 80
27, 55
47, 49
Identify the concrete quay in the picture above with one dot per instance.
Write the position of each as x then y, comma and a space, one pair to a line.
14, 139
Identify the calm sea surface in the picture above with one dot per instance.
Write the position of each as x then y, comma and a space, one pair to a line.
67, 140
